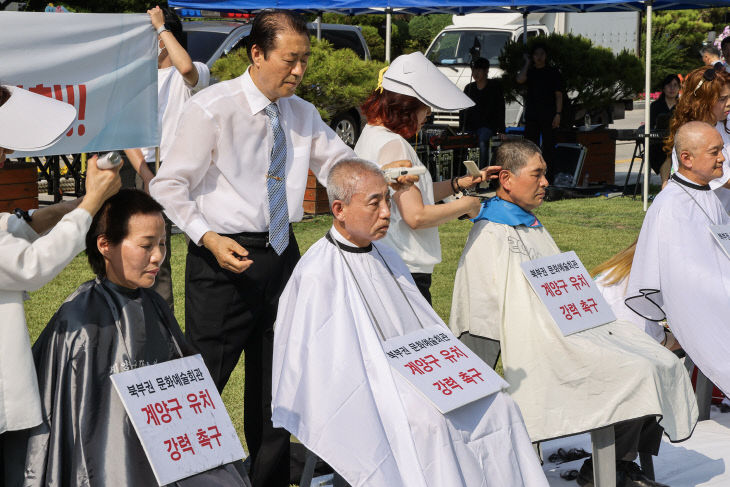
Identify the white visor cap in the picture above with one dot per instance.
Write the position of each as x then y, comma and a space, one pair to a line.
31, 122
414, 75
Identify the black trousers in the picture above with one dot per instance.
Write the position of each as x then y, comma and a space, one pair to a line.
226, 314
423, 283
12, 457
534, 130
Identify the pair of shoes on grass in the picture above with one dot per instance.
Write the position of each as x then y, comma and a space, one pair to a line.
628, 474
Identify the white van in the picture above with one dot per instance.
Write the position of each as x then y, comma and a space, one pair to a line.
472, 36
453, 47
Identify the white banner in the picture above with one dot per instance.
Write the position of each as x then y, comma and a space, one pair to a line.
568, 292
445, 371
179, 418
103, 64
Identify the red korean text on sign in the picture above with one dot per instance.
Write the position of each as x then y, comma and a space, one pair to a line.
471, 376
175, 444
200, 401
589, 305
579, 282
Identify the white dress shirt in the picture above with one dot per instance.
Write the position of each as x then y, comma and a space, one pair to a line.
28, 262
172, 93
214, 178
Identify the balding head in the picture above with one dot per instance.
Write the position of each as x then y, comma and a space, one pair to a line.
699, 152
692, 135
360, 201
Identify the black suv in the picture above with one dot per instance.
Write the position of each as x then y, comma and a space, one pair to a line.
209, 40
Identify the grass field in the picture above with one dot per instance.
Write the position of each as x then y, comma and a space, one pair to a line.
595, 228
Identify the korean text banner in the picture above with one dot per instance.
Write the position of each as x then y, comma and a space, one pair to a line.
103, 64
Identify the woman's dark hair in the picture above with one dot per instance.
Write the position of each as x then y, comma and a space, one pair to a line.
668, 79
173, 24
4, 95
112, 220
269, 24
398, 113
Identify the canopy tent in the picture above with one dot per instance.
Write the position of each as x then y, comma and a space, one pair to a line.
456, 7
461, 7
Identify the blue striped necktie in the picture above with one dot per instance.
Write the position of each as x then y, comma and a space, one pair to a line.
276, 185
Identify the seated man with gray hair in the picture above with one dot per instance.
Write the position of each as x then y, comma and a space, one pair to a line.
333, 387
610, 375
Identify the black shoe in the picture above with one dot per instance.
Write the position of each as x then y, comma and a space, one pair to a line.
629, 474
585, 475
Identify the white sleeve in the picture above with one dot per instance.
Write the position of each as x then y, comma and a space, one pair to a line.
27, 266
391, 152
190, 156
203, 76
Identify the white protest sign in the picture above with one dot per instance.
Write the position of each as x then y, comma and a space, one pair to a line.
179, 418
442, 368
105, 65
568, 292
722, 235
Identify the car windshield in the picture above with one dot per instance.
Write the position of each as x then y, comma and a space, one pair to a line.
203, 44
457, 47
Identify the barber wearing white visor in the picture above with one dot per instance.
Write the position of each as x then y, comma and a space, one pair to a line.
407, 91
35, 247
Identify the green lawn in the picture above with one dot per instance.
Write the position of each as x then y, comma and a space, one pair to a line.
595, 228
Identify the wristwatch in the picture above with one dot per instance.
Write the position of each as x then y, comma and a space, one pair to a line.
161, 29
23, 214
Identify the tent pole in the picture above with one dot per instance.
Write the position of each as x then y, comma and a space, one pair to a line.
388, 21
647, 87
524, 27
319, 26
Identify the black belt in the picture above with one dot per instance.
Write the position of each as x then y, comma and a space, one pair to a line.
255, 239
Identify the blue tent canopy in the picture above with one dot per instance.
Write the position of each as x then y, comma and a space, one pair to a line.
457, 7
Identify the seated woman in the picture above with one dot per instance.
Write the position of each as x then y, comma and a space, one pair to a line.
108, 325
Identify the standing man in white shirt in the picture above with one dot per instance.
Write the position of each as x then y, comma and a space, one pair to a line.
178, 78
233, 179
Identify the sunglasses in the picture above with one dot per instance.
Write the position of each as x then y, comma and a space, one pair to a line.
709, 75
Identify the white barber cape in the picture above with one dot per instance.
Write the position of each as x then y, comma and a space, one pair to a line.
28, 262
335, 391
563, 385
677, 256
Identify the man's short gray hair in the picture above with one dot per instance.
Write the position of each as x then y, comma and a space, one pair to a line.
345, 176
513, 156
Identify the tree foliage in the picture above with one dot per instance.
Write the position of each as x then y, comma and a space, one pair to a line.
594, 77
677, 36
409, 33
422, 29
335, 80
97, 6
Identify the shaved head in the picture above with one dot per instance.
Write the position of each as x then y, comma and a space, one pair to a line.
699, 148
693, 135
